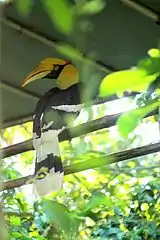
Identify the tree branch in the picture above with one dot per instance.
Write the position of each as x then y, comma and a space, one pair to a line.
85, 128
33, 33
18, 214
16, 121
97, 101
90, 164
100, 100
55, 43
127, 169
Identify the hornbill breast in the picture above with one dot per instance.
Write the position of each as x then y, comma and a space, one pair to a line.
50, 118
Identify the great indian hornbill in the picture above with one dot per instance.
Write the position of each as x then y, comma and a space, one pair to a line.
49, 120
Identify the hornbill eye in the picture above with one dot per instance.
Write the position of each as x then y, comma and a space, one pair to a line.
56, 68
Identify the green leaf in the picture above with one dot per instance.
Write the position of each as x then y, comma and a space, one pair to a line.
96, 200
136, 79
118, 82
91, 7
15, 221
16, 234
58, 214
69, 52
111, 231
151, 65
144, 207
60, 13
24, 6
154, 52
129, 120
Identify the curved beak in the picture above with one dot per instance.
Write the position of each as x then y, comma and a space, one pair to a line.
36, 74
45, 67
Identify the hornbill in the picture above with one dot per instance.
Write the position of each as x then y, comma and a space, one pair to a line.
49, 120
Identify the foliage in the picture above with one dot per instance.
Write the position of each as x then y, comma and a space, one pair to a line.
60, 12
119, 201
128, 121
142, 77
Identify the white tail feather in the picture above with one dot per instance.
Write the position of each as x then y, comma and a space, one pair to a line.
51, 183
48, 143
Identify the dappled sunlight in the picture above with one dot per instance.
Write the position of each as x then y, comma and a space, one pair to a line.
102, 141
19, 137
17, 134
145, 180
118, 106
151, 135
110, 162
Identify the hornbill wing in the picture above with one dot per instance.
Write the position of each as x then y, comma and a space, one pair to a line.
49, 120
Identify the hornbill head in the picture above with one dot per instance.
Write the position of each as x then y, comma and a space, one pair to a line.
64, 72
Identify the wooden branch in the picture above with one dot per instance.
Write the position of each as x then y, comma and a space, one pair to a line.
18, 214
127, 169
100, 100
19, 91
16, 121
143, 9
85, 128
76, 131
97, 101
90, 164
54, 43
39, 36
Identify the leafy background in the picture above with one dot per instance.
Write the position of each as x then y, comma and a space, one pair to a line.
117, 201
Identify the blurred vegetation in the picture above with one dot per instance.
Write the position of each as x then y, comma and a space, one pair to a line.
119, 201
